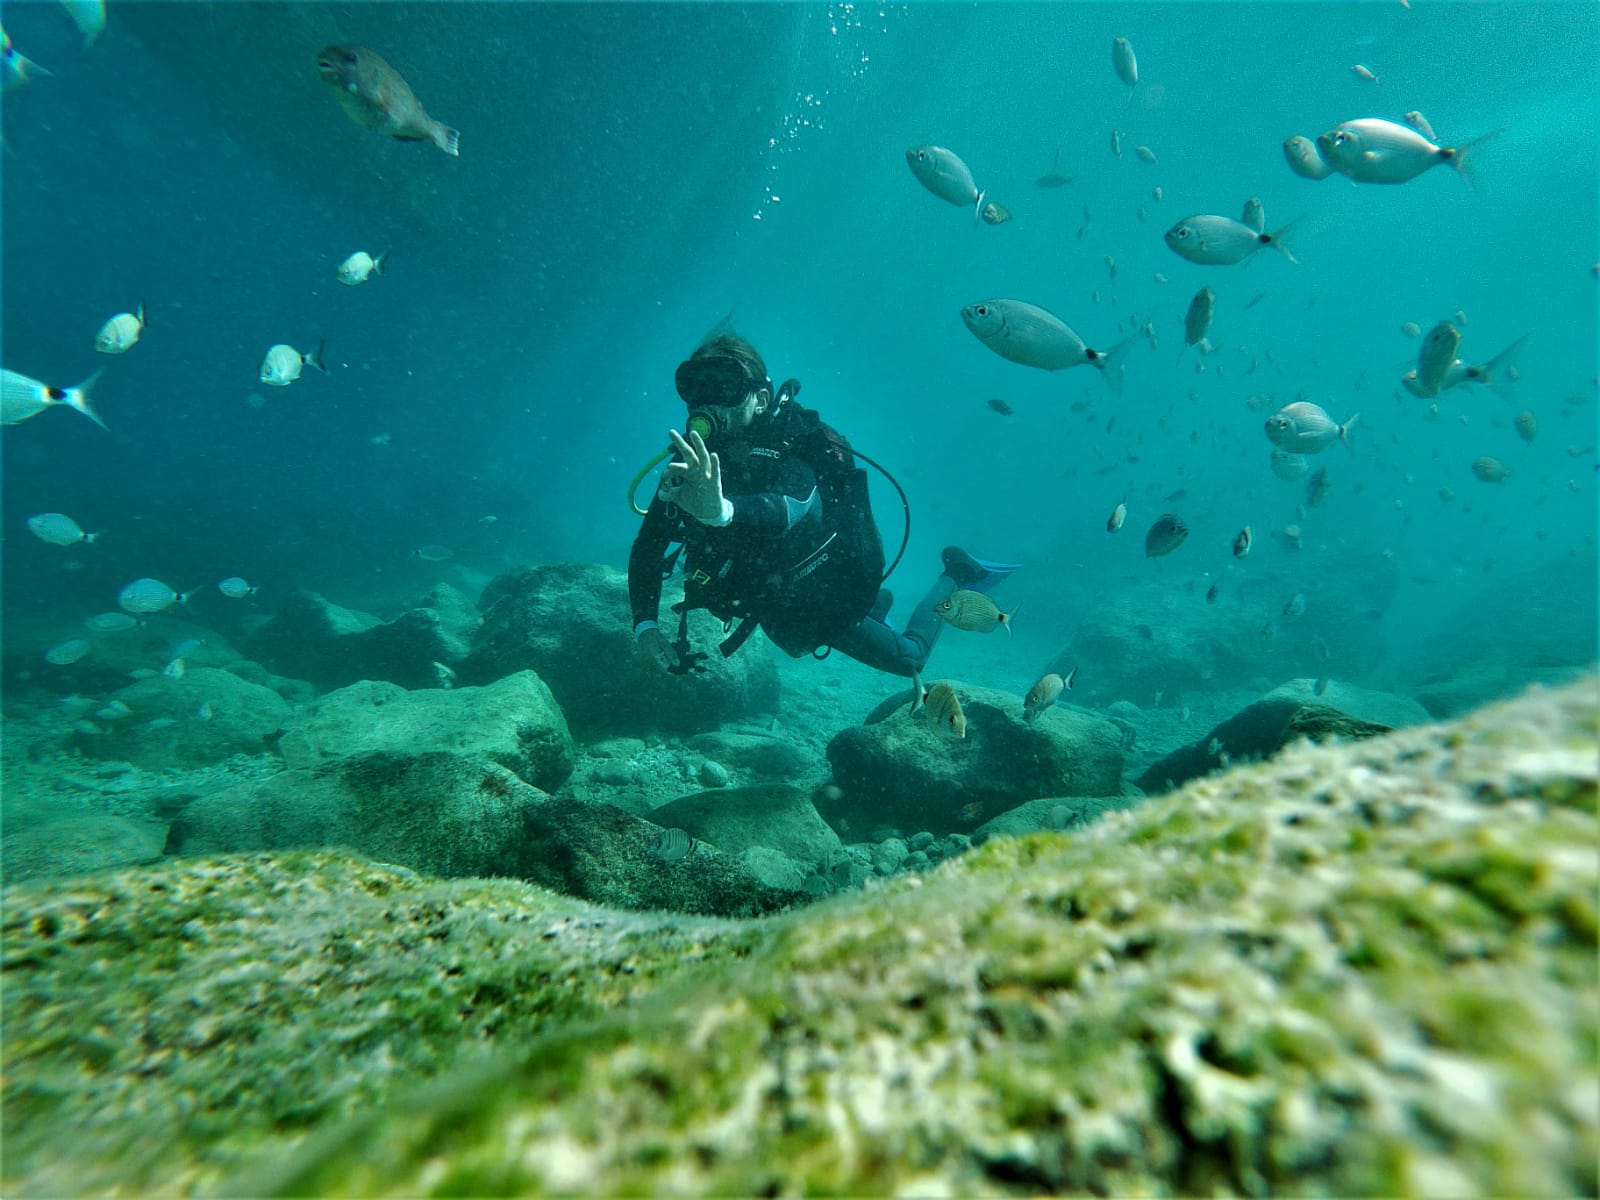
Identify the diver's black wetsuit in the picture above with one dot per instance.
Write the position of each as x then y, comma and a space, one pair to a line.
746, 565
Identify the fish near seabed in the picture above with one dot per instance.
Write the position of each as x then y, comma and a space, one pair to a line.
376, 97
1027, 334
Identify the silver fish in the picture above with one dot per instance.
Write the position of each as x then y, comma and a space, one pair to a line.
994, 213
360, 267
1254, 215
1042, 695
1434, 358
943, 173
1287, 465
1305, 428
1165, 536
1527, 425
1296, 607
1119, 514
283, 363
973, 611
1483, 373
22, 397
1373, 150
1242, 541
1145, 155
1198, 319
1027, 334
1218, 241
1362, 71
1420, 123
1123, 61
1304, 159
121, 332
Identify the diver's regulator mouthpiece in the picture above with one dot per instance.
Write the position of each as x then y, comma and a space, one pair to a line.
705, 421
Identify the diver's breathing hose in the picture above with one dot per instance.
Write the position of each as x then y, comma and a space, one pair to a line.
790, 389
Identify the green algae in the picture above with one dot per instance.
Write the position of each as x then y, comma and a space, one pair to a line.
1359, 969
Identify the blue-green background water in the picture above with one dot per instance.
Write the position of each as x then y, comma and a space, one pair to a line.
631, 173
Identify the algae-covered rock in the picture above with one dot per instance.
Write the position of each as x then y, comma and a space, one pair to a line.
569, 622
513, 721
773, 815
1363, 968
896, 771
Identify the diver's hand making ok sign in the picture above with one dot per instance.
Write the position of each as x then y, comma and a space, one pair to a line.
695, 484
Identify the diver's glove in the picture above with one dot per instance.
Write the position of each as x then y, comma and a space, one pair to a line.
654, 651
695, 484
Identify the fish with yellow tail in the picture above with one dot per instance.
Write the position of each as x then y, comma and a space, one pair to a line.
973, 611
942, 708
375, 96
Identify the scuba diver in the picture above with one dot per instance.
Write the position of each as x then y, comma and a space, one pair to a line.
771, 514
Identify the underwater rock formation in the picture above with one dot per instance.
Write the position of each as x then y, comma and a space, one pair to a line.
896, 771
1357, 969
569, 622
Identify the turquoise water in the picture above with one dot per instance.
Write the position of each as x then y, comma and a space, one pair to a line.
630, 174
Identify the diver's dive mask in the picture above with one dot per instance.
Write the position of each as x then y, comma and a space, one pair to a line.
711, 387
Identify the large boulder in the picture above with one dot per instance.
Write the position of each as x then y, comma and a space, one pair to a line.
569, 622
513, 721
774, 816
440, 812
1357, 970
897, 772
313, 639
1255, 732
79, 844
1157, 639
204, 717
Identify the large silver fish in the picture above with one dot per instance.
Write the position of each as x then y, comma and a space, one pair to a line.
22, 397
1027, 334
1218, 241
1373, 150
943, 173
1305, 428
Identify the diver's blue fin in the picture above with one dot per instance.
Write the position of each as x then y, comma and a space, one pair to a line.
975, 574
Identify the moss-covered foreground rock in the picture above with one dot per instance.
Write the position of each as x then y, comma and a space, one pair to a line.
1356, 969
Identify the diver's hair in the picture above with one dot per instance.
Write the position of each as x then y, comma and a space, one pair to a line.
731, 345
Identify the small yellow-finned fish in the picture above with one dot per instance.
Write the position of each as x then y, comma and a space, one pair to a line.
376, 97
973, 611
360, 267
121, 332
